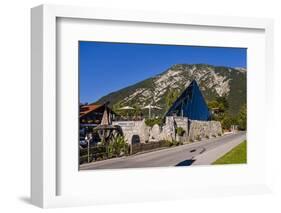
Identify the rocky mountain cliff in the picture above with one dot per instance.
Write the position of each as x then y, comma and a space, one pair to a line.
213, 81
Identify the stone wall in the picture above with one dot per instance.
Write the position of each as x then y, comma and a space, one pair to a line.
204, 129
183, 123
168, 130
134, 130
137, 131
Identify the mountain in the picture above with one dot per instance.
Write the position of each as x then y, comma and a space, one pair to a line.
214, 81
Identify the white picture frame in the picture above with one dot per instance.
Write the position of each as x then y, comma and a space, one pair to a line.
44, 150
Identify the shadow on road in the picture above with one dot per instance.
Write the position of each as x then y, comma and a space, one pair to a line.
185, 163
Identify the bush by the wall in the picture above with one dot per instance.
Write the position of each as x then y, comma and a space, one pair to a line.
152, 121
180, 131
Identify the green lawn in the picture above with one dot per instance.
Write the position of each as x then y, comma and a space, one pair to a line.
237, 155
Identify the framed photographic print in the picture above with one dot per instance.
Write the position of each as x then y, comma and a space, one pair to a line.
149, 106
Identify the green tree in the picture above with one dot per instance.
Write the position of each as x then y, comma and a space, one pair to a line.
221, 105
223, 102
116, 108
242, 118
171, 97
213, 104
137, 111
228, 121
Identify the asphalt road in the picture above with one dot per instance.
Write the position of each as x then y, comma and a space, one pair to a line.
177, 156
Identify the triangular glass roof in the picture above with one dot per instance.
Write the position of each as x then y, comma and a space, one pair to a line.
190, 104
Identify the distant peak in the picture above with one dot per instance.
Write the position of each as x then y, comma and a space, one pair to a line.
182, 66
242, 69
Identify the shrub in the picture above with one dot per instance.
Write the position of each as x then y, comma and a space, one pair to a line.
176, 143
198, 138
172, 143
117, 146
168, 143
97, 152
180, 131
151, 122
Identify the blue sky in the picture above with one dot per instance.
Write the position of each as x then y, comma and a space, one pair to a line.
107, 67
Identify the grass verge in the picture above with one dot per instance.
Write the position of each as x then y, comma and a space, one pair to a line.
237, 155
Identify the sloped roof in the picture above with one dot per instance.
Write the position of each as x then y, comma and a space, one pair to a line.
190, 104
84, 110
